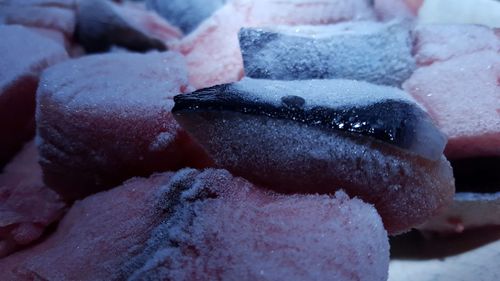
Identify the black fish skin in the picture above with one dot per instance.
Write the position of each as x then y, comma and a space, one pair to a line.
390, 121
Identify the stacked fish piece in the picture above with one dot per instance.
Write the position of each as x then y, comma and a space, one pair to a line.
316, 131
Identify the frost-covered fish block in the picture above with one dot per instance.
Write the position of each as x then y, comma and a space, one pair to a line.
463, 95
102, 24
58, 15
186, 14
212, 51
441, 42
27, 206
24, 54
208, 225
323, 135
102, 119
379, 53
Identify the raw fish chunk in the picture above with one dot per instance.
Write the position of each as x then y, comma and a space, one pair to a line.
96, 236
440, 42
50, 17
213, 52
208, 225
53, 35
68, 4
102, 119
462, 95
186, 14
23, 55
485, 12
27, 206
311, 136
102, 24
390, 9
379, 53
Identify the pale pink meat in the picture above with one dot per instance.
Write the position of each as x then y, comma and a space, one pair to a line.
68, 4
149, 22
102, 119
389, 9
213, 52
23, 55
208, 225
50, 17
440, 42
462, 95
27, 206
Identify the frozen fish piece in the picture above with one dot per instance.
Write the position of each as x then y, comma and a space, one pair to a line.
102, 119
24, 54
50, 17
390, 9
441, 42
186, 14
208, 225
27, 206
102, 24
68, 4
212, 49
462, 95
312, 136
485, 12
379, 53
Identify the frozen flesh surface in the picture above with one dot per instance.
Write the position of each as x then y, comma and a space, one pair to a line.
213, 52
68, 4
148, 22
186, 14
462, 95
102, 24
390, 9
485, 12
250, 130
27, 206
379, 53
95, 237
440, 42
50, 17
102, 119
23, 55
209, 226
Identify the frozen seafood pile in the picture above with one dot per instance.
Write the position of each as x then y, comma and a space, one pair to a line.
241, 139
